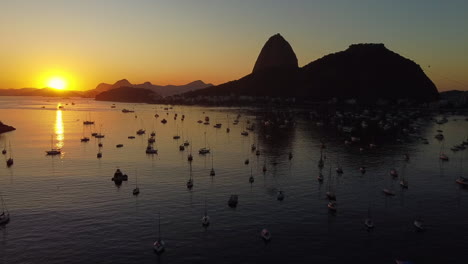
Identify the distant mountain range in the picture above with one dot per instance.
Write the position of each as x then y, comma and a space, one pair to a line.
365, 72
161, 90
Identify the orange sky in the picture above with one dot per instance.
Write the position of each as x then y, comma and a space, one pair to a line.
176, 42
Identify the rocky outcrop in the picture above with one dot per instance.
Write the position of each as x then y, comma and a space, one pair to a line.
276, 53
365, 72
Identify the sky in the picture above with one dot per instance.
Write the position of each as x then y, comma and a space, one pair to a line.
87, 42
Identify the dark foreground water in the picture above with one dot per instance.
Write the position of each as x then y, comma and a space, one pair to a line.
66, 209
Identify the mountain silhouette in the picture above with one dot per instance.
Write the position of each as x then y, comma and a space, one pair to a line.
163, 90
128, 94
276, 53
365, 72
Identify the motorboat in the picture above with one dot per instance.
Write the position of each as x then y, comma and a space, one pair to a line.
265, 234
280, 195
233, 200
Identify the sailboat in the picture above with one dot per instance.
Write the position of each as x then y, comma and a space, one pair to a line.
368, 221
442, 155
251, 178
204, 150
53, 151
321, 163
212, 172
4, 151
330, 194
84, 138
190, 156
176, 136
88, 122
228, 129
5, 215
320, 176
205, 219
403, 180
190, 181
265, 234
9, 162
136, 191
158, 246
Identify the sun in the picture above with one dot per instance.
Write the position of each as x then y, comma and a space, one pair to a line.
57, 83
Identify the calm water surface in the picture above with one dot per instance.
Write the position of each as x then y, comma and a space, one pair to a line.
66, 209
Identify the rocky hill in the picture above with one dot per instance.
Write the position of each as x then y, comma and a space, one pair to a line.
365, 72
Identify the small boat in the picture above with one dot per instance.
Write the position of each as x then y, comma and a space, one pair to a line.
253, 147
369, 223
189, 157
331, 196
136, 191
199, 121
186, 143
439, 136
88, 122
339, 170
205, 219
131, 137
251, 179
218, 125
320, 177
151, 150
84, 139
182, 147
53, 151
9, 161
100, 145
153, 134
418, 224
99, 136
290, 155
233, 200
212, 172
393, 173
140, 132
362, 169
257, 152
244, 133
119, 145
158, 246
462, 181
99, 155
404, 184
119, 176
5, 215
264, 169
151, 140
127, 111
332, 206
280, 196
190, 183
265, 234
164, 121
204, 150
388, 192
443, 157
176, 137
228, 130
246, 162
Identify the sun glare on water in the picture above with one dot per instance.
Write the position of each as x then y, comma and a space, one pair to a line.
57, 83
